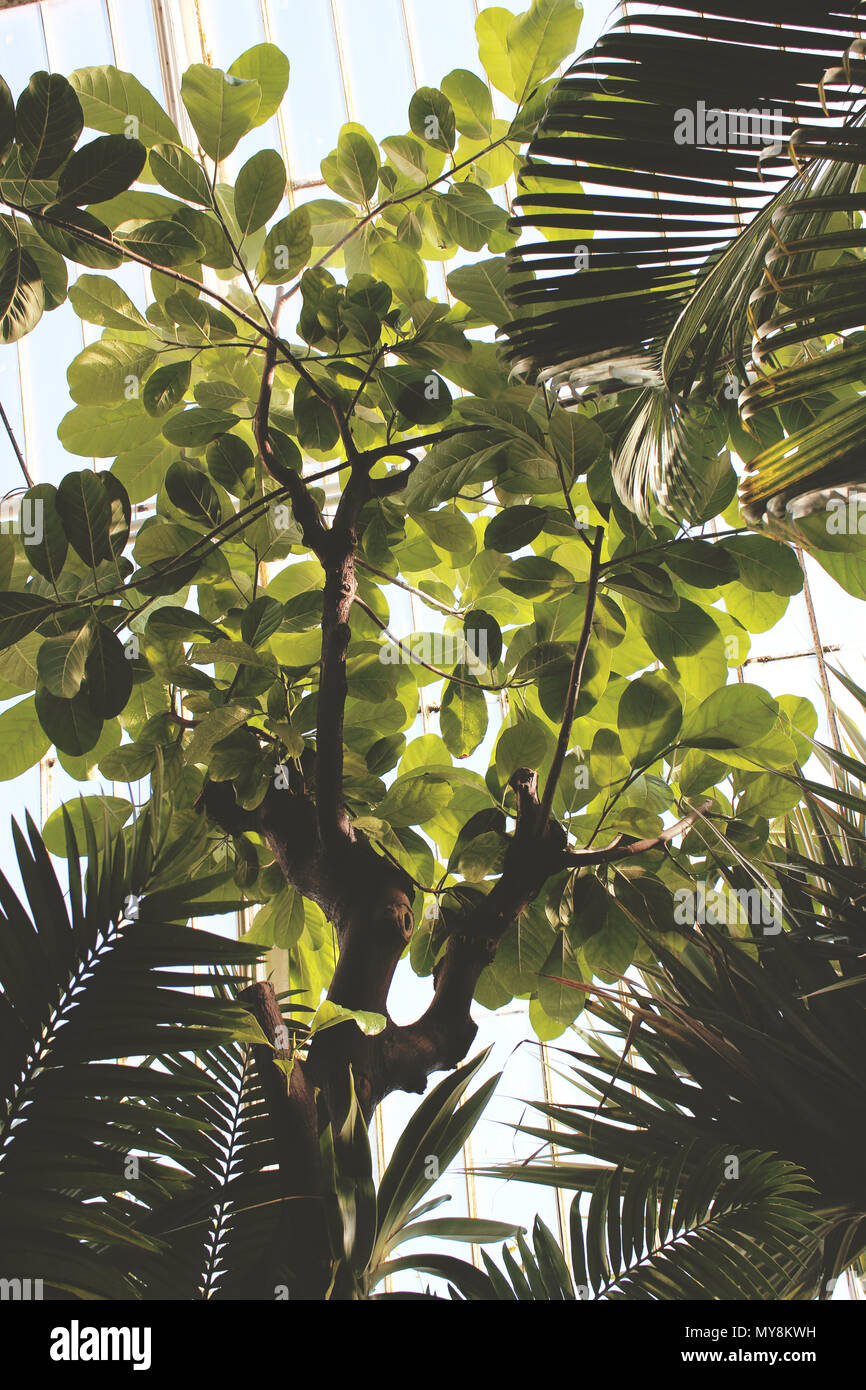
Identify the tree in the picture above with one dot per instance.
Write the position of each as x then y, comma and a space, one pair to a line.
494, 509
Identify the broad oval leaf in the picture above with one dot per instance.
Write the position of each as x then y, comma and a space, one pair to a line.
49, 121
73, 726
60, 662
221, 108
101, 169
116, 102
108, 673
648, 718
259, 190
83, 506
20, 614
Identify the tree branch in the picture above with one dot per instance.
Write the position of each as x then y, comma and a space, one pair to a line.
22, 464
574, 679
440, 1038
306, 512
623, 847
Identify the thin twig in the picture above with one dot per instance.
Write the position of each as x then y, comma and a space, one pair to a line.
14, 442
573, 683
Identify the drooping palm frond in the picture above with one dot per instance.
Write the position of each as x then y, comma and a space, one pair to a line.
703, 259
90, 1145
710, 1225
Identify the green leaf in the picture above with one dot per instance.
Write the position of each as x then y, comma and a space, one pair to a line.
423, 398
280, 922
175, 169
538, 40
129, 763
222, 108
328, 1014
22, 295
60, 661
213, 729
20, 614
96, 299
231, 463
765, 565
65, 241
165, 387
402, 269
491, 29
7, 119
267, 65
469, 1229
329, 220
513, 528
116, 102
450, 530
469, 215
260, 620
612, 948
431, 118
22, 739
688, 643
142, 469
648, 718
352, 170
198, 426
103, 430
700, 563
414, 798
72, 725
192, 492
484, 287
101, 169
48, 553
165, 243
108, 673
448, 467
556, 980
735, 717
259, 190
94, 808
471, 102
104, 372
288, 246
49, 121
463, 719
316, 425
577, 441
409, 158
83, 507
608, 765
536, 577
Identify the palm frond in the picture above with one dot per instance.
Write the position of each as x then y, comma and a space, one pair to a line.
709, 1225
703, 260
88, 1145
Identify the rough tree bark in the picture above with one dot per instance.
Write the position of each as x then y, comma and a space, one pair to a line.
366, 896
